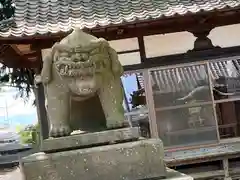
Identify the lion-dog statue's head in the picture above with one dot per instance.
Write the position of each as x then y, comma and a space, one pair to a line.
83, 62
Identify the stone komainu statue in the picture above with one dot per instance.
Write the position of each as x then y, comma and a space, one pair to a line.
81, 78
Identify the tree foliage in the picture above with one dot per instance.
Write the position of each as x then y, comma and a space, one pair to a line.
29, 134
21, 78
138, 98
7, 10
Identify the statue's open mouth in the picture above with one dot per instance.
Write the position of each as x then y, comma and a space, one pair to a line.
73, 69
85, 90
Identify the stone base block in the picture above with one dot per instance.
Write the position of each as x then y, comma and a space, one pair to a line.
129, 161
90, 139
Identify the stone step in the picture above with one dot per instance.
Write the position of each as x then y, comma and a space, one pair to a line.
90, 139
136, 160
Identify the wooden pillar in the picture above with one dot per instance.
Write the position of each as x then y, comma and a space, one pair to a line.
150, 104
148, 91
41, 110
142, 49
226, 169
40, 103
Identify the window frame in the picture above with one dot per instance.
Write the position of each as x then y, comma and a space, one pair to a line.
150, 101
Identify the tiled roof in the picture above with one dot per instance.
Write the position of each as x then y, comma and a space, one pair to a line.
43, 16
187, 78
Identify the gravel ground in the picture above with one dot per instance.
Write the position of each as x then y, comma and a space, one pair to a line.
10, 173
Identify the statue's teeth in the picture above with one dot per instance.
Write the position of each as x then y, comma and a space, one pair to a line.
58, 66
66, 68
95, 65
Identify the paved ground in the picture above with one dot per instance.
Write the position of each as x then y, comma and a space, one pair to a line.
10, 173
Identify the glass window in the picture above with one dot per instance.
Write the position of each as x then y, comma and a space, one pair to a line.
183, 105
178, 86
136, 111
195, 104
226, 91
187, 126
226, 79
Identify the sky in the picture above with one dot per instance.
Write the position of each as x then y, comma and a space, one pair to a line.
14, 111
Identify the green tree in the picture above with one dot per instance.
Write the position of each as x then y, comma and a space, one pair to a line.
7, 10
20, 78
29, 134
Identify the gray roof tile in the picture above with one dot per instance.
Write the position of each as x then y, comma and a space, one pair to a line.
43, 16
187, 78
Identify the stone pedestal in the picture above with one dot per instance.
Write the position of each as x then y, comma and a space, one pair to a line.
90, 139
72, 158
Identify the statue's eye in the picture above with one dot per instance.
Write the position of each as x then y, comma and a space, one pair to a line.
94, 51
85, 56
78, 55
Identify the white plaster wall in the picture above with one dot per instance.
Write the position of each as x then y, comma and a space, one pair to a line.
124, 44
127, 45
173, 43
226, 36
130, 58
166, 44
181, 42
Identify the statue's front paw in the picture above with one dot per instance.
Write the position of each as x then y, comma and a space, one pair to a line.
38, 79
60, 131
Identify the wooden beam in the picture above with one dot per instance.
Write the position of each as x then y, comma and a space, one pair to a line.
30, 54
15, 48
19, 64
36, 46
13, 57
20, 54
191, 56
142, 48
180, 23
